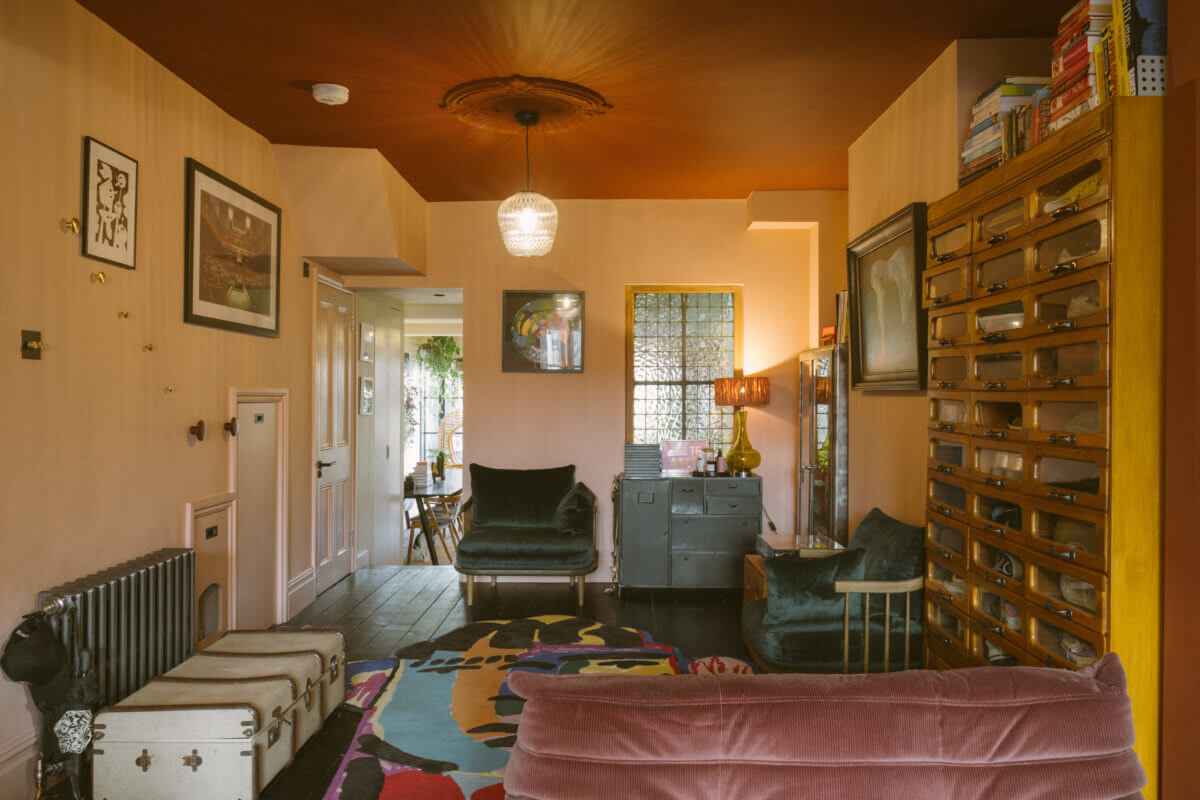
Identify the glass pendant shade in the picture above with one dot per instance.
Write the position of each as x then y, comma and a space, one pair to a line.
528, 222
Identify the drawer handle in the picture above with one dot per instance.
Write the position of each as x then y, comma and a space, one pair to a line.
1064, 212
946, 427
945, 342
733, 486
996, 287
1058, 269
949, 512
947, 385
997, 482
944, 257
945, 469
944, 640
938, 301
949, 598
1065, 555
1065, 325
1060, 439
995, 385
946, 554
991, 338
995, 629
997, 435
1066, 497
1065, 613
1057, 382
998, 238
996, 579
688, 489
995, 530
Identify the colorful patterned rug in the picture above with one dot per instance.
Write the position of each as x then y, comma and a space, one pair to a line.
439, 721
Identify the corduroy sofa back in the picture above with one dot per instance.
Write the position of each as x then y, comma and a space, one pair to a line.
1002, 732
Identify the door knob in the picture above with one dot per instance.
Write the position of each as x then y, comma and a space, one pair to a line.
322, 464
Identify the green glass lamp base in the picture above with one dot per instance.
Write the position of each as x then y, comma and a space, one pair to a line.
741, 458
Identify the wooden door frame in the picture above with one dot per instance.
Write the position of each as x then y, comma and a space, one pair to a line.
285, 587
328, 277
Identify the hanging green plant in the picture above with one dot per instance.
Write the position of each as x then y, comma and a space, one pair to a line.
440, 359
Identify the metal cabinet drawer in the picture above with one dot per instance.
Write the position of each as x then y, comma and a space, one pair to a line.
732, 534
733, 487
706, 569
687, 496
732, 505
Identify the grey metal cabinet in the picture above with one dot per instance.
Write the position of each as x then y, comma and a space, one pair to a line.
686, 531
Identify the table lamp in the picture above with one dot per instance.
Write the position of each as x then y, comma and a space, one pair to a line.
739, 393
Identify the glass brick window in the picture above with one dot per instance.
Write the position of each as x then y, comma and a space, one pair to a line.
681, 338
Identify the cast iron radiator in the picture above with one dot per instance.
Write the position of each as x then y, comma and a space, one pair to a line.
136, 619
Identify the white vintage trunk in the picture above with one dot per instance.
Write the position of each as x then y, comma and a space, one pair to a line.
331, 644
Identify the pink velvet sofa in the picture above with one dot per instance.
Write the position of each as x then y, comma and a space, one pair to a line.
990, 732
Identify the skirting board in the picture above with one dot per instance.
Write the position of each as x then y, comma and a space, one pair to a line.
363, 560
301, 591
17, 760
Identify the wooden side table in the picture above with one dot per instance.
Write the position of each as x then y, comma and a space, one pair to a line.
755, 584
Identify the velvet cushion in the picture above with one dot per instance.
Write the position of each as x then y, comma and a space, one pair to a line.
575, 513
518, 497
895, 550
1003, 732
523, 547
802, 588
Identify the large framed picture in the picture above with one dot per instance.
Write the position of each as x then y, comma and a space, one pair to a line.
887, 348
110, 194
231, 265
543, 332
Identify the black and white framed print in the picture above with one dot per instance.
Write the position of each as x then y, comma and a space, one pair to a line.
109, 204
231, 265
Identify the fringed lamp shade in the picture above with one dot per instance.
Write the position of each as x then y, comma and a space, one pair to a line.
528, 222
741, 391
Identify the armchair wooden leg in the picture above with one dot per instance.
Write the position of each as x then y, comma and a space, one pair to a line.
846, 637
887, 631
866, 632
579, 582
493, 581
470, 590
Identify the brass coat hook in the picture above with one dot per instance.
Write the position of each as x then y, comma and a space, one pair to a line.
199, 430
232, 426
99, 277
123, 314
70, 225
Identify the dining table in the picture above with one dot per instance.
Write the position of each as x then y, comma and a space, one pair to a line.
439, 489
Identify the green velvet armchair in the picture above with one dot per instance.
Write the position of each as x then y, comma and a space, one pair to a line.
527, 522
822, 614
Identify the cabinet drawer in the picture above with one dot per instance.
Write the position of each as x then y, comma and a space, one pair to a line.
999, 367
1002, 269
1071, 186
1078, 418
999, 465
948, 368
947, 495
946, 284
992, 650
946, 626
948, 327
687, 496
996, 610
1001, 514
1074, 535
1000, 318
1071, 245
999, 221
1072, 476
707, 569
1057, 642
946, 541
948, 453
999, 416
949, 240
1069, 303
733, 487
948, 412
743, 506
1069, 592
997, 561
731, 534
947, 583
1078, 359
943, 657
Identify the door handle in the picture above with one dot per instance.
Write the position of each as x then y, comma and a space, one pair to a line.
322, 464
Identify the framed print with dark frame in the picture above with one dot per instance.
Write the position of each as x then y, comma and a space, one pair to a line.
543, 332
887, 350
231, 265
110, 193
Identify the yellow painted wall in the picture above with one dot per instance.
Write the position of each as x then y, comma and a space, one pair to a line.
99, 463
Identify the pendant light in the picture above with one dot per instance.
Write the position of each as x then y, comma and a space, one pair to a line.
528, 220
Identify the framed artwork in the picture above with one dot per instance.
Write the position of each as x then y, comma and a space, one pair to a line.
366, 342
231, 265
887, 348
543, 332
366, 396
109, 204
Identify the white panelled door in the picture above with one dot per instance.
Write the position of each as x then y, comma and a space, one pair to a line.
335, 408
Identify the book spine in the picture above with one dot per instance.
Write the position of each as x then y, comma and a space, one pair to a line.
1119, 31
987, 137
1071, 96
979, 126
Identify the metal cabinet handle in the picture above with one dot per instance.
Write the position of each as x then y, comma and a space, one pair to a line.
949, 598
687, 489
947, 385
996, 287
1066, 497
1065, 325
1061, 439
996, 482
945, 469
995, 530
994, 385
944, 640
995, 629
998, 238
997, 435
992, 338
1058, 269
944, 257
946, 342
939, 301
997, 580
1064, 212
1054, 383
946, 427
949, 512
1066, 555
1065, 613
946, 555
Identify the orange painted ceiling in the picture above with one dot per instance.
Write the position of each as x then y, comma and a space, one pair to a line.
711, 98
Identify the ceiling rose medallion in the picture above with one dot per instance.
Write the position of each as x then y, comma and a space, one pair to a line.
492, 103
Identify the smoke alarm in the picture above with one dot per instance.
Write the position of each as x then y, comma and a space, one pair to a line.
331, 94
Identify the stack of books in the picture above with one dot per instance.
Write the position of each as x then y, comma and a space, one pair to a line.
1073, 67
991, 137
643, 461
422, 476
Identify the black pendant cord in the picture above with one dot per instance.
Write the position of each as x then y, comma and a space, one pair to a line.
527, 158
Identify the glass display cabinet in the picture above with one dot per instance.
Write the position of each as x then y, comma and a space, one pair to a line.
821, 507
